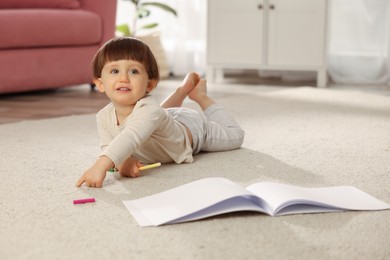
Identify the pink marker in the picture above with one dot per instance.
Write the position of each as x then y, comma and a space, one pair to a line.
81, 201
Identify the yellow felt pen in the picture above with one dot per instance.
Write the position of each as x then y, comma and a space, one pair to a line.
145, 167
149, 166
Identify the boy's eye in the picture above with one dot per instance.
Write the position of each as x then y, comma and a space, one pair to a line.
114, 71
133, 71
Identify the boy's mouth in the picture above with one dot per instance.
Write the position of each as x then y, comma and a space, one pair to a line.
123, 89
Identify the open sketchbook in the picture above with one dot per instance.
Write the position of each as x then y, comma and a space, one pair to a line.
213, 196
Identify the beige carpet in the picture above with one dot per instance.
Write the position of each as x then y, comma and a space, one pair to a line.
303, 136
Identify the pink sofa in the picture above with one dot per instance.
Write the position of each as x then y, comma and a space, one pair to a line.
46, 44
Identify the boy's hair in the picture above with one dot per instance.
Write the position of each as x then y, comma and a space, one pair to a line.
125, 48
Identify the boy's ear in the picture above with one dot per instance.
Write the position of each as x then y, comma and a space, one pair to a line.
99, 84
151, 85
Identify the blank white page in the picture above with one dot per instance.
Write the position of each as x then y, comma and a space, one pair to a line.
181, 201
343, 197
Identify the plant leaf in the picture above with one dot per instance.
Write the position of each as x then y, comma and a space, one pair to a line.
142, 12
149, 26
133, 1
123, 28
162, 6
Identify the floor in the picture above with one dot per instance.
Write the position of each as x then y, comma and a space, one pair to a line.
50, 103
81, 100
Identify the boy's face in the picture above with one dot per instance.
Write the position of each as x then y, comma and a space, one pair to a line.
124, 82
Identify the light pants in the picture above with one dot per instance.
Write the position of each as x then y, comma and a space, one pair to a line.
214, 130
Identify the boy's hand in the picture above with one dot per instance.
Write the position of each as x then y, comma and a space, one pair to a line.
130, 168
94, 176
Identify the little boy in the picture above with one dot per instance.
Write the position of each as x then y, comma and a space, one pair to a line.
134, 130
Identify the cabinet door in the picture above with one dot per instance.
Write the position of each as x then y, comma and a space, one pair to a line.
234, 36
296, 31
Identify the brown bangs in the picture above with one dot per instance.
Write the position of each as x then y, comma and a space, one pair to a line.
125, 48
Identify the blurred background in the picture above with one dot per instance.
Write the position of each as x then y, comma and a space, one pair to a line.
358, 38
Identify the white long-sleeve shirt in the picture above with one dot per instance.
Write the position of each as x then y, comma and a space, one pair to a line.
148, 134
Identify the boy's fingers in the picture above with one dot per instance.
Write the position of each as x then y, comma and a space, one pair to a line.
80, 182
137, 173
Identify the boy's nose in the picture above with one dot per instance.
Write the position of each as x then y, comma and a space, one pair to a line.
124, 77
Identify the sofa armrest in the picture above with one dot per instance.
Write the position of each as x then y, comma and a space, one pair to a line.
106, 9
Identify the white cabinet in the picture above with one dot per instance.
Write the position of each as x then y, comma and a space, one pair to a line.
285, 35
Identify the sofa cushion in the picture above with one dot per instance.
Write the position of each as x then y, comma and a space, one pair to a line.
39, 4
21, 28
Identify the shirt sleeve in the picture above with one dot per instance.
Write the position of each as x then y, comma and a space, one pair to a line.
106, 122
105, 137
142, 122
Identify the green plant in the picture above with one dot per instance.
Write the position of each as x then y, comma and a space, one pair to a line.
142, 11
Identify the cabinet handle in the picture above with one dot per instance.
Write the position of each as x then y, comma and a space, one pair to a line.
259, 6
272, 7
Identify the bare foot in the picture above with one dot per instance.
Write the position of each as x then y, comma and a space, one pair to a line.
190, 81
176, 98
199, 95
